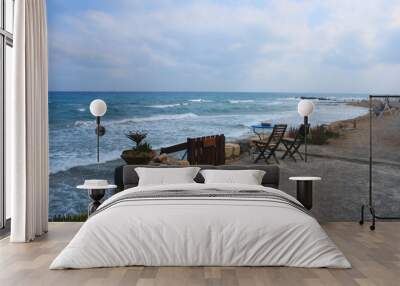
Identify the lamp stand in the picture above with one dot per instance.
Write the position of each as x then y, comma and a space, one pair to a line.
98, 137
305, 137
100, 131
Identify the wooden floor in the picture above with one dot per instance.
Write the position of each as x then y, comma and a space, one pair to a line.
375, 257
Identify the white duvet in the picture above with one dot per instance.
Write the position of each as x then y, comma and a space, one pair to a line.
202, 232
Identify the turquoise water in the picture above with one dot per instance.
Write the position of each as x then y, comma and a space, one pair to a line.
170, 117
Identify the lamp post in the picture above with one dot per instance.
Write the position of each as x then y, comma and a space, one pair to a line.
305, 108
98, 108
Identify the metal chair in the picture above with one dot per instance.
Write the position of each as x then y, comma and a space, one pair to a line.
268, 147
292, 145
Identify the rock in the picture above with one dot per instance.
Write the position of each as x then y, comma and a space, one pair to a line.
184, 163
171, 161
228, 151
232, 150
163, 157
236, 150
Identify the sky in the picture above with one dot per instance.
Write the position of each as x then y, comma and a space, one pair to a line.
276, 45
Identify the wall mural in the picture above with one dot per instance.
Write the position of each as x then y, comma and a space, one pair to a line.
174, 71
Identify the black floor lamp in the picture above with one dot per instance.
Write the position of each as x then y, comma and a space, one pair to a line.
305, 108
370, 204
98, 108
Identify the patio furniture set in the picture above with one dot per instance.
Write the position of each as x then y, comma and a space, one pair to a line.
266, 146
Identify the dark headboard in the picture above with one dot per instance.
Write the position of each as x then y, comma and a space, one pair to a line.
126, 177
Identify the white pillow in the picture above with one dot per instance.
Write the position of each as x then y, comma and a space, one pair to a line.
247, 177
166, 176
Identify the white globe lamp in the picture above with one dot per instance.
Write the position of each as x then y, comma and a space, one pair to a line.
305, 108
98, 108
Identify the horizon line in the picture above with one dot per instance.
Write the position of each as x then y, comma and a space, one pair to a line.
191, 91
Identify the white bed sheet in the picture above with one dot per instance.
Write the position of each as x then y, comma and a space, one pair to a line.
200, 232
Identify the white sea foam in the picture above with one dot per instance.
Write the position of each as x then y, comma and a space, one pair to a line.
83, 123
288, 98
161, 117
80, 159
241, 101
165, 105
272, 103
81, 109
200, 100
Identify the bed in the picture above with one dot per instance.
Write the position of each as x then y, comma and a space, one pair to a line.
197, 224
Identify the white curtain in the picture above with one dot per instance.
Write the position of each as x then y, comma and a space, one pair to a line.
27, 122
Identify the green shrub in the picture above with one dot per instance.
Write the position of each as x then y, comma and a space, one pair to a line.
69, 218
318, 135
137, 137
292, 131
144, 148
331, 134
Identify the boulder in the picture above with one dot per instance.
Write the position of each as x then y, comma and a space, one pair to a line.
228, 151
171, 161
232, 150
184, 163
163, 157
236, 150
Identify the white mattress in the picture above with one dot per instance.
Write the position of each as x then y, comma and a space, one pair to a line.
200, 232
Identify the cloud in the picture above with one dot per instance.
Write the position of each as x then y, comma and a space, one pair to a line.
288, 45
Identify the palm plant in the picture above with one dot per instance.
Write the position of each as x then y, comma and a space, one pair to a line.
141, 153
138, 137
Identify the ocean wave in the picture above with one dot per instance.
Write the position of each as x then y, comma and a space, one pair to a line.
165, 105
288, 98
277, 103
241, 101
200, 100
78, 159
81, 109
162, 117
240, 125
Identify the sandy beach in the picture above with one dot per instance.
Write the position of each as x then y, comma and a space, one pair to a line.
342, 164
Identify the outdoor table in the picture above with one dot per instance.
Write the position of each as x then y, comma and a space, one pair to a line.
260, 129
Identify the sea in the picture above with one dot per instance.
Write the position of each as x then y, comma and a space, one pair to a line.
171, 117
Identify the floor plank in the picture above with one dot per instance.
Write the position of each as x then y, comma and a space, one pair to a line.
375, 257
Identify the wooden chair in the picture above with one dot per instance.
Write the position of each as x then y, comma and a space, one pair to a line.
207, 150
268, 147
292, 145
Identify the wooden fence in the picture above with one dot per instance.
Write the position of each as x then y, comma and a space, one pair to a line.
207, 150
